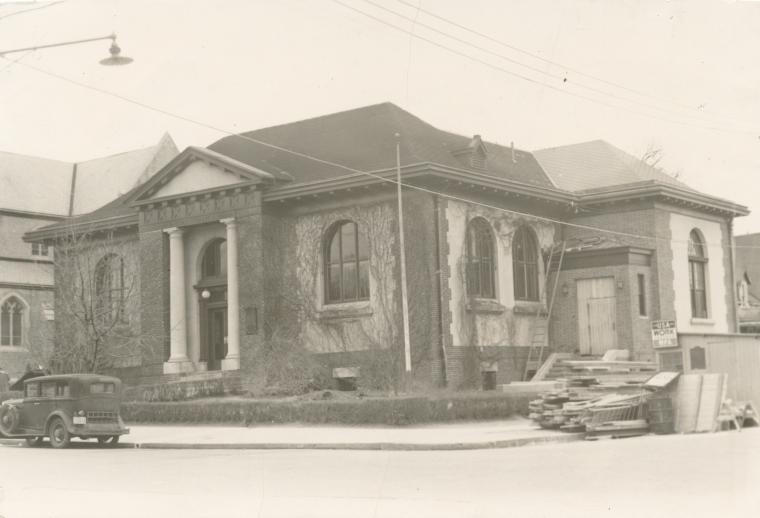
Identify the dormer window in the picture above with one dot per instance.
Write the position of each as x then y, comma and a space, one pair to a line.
473, 156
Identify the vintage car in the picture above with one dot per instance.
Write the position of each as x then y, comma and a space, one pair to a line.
64, 406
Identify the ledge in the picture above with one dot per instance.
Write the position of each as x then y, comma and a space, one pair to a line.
702, 321
529, 308
351, 311
484, 306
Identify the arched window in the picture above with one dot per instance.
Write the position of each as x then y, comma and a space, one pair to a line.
525, 264
346, 264
109, 288
214, 262
697, 274
11, 318
480, 260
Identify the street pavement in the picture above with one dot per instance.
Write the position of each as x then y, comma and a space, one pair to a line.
653, 476
449, 436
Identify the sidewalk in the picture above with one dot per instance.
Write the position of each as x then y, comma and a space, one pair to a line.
455, 436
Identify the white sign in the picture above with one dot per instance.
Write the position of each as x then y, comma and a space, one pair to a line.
664, 334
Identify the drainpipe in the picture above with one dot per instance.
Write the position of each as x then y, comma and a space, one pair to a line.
439, 285
731, 245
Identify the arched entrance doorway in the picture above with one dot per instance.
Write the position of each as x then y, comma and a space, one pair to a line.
212, 292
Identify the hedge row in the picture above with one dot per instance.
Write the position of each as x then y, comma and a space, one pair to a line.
386, 411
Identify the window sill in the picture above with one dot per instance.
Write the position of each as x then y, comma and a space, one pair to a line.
484, 306
525, 307
348, 310
13, 349
702, 321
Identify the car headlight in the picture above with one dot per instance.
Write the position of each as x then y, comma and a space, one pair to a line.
81, 413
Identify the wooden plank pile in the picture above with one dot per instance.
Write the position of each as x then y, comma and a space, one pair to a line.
595, 413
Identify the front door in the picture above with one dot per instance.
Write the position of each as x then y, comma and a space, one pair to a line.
217, 337
596, 315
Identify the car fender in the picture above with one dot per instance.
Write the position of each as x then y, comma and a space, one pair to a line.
67, 422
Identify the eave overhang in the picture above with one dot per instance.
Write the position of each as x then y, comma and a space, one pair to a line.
409, 173
661, 192
121, 222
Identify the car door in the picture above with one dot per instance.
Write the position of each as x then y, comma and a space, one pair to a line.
30, 408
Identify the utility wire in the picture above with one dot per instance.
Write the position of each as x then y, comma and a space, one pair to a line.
567, 68
14, 13
375, 175
561, 78
534, 81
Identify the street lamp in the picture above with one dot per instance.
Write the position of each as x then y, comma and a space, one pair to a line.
114, 59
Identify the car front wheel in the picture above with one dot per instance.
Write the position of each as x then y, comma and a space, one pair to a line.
59, 435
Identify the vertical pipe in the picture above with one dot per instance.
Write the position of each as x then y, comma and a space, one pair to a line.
402, 255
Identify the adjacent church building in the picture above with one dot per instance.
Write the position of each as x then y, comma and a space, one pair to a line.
35, 192
288, 237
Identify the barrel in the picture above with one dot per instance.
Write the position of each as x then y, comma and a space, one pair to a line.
660, 413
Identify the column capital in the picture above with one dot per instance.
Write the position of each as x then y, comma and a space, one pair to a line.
228, 221
173, 231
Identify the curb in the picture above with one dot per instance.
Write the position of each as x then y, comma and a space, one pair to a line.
370, 446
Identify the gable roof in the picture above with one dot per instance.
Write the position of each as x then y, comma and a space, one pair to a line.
246, 172
38, 185
364, 139
597, 164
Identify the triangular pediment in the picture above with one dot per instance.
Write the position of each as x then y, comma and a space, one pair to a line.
197, 176
198, 170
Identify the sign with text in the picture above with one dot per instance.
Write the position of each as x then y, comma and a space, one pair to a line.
664, 334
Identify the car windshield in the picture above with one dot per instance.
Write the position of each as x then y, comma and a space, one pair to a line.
102, 388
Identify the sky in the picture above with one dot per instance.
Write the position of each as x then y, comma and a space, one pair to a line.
680, 76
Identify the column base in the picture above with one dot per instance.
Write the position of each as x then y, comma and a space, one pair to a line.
231, 364
178, 366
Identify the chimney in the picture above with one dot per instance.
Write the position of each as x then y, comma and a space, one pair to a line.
512, 147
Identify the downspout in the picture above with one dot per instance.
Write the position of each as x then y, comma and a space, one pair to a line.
731, 245
439, 287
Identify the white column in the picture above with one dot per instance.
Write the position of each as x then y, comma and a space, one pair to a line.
178, 360
232, 360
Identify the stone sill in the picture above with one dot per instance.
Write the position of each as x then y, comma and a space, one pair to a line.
345, 311
703, 321
13, 349
484, 306
530, 308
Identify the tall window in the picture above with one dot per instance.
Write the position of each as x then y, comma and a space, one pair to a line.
11, 317
697, 275
481, 278
642, 294
109, 288
525, 264
346, 264
214, 263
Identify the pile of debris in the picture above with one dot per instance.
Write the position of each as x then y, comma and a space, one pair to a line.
616, 415
665, 403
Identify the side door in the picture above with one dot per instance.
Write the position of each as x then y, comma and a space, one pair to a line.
597, 306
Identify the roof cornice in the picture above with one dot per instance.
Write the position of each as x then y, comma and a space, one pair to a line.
667, 192
461, 176
110, 223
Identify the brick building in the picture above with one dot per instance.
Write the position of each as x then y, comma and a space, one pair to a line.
35, 192
288, 235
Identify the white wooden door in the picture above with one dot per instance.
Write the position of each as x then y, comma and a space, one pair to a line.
596, 315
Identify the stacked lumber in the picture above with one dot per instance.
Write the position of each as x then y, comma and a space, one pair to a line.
588, 411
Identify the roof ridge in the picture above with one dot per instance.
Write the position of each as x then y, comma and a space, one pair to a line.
308, 119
